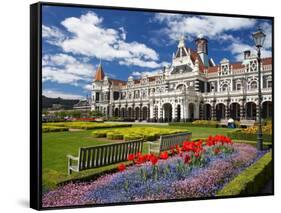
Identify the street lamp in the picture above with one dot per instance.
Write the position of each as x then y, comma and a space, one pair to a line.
259, 38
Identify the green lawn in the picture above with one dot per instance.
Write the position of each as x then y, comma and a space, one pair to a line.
57, 145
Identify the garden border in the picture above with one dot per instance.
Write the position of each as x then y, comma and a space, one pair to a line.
251, 180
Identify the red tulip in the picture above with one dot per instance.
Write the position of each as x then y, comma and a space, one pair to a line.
131, 157
197, 154
164, 155
153, 160
121, 167
187, 159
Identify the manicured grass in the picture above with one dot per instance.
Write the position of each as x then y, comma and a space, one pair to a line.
56, 145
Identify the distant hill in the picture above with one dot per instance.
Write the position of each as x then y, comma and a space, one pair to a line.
66, 103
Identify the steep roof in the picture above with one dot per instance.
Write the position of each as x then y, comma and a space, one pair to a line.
99, 73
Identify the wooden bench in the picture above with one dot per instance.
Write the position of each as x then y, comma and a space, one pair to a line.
223, 122
247, 123
103, 155
166, 142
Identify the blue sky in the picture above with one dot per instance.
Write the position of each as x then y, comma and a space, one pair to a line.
76, 40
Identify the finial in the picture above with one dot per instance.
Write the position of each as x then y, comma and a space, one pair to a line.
181, 41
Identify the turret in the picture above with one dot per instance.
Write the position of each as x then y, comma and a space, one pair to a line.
99, 73
202, 49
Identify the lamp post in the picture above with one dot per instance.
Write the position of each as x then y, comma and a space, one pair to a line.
259, 38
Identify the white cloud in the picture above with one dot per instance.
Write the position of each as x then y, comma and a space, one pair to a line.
143, 73
192, 26
237, 50
56, 94
52, 34
267, 29
88, 87
91, 39
63, 68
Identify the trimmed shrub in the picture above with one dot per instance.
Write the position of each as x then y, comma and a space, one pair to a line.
46, 128
114, 136
251, 180
239, 135
87, 125
150, 137
198, 123
132, 137
99, 134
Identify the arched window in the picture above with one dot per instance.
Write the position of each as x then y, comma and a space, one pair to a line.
224, 87
253, 85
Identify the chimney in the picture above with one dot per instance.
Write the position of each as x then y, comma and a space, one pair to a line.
247, 54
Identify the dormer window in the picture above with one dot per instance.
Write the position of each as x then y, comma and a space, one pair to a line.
224, 68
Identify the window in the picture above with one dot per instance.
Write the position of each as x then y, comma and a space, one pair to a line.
254, 85
238, 86
269, 84
225, 87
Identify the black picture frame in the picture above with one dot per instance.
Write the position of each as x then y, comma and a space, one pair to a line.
36, 100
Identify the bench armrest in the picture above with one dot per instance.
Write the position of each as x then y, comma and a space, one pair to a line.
72, 157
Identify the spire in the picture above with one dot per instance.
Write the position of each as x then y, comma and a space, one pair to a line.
99, 73
181, 42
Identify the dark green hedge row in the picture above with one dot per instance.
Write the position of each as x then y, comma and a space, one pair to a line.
188, 124
251, 180
247, 136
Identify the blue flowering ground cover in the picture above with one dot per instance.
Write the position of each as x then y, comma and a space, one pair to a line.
169, 179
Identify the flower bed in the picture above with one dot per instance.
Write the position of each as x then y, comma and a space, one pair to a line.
85, 125
190, 171
148, 133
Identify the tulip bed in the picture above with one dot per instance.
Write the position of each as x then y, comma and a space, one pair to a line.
191, 171
148, 133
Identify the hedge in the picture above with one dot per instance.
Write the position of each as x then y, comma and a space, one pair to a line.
148, 133
87, 125
251, 180
247, 136
198, 123
114, 136
53, 129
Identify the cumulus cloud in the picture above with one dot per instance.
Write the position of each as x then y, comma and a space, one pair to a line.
139, 74
237, 50
192, 26
59, 94
53, 35
63, 68
88, 37
88, 87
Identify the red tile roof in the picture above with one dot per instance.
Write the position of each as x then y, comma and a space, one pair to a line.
213, 69
266, 61
117, 82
